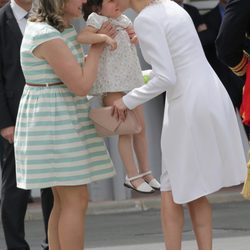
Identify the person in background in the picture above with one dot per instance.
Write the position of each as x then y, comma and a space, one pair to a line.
232, 83
194, 14
235, 28
13, 18
3, 2
199, 156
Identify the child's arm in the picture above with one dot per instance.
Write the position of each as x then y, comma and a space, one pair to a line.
127, 25
89, 35
131, 33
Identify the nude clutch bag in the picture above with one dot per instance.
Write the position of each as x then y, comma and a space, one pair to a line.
107, 125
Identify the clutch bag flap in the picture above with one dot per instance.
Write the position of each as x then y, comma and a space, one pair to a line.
107, 125
103, 118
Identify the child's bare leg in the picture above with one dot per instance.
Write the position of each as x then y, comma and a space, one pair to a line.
141, 146
124, 144
201, 216
172, 221
126, 153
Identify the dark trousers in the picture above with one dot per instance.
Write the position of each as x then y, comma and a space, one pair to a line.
14, 202
47, 204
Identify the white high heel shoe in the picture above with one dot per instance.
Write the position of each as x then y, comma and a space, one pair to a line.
142, 188
153, 183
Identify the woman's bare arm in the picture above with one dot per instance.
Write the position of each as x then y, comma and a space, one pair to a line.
90, 35
79, 80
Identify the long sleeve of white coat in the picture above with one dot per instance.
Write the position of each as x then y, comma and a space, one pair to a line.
155, 50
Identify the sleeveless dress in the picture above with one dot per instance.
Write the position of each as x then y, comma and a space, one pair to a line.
55, 141
119, 70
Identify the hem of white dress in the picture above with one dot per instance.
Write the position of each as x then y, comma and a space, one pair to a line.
57, 184
201, 194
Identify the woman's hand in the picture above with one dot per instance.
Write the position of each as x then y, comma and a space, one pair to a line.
119, 110
202, 27
108, 30
8, 134
98, 48
111, 42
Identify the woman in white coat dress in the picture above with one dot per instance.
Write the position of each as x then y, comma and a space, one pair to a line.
201, 145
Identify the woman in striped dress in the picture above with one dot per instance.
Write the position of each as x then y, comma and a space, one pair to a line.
55, 142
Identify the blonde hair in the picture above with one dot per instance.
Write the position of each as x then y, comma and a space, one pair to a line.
51, 12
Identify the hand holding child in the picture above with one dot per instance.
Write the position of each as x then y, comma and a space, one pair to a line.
111, 42
119, 110
110, 32
108, 29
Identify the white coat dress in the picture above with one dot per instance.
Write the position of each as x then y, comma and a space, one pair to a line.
201, 145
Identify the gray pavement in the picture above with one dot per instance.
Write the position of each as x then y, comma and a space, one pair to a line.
135, 224
140, 202
237, 243
142, 230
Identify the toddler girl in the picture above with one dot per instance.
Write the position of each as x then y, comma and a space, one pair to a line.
119, 71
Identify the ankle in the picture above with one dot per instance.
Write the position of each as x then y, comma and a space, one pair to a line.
136, 183
147, 175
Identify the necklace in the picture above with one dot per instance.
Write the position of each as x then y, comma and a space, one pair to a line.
150, 2
154, 2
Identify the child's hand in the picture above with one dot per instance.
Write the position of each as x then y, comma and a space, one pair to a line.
132, 36
134, 39
111, 42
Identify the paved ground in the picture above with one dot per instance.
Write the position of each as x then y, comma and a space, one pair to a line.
135, 224
142, 230
238, 243
141, 202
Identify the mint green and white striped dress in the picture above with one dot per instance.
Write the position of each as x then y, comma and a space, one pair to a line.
55, 141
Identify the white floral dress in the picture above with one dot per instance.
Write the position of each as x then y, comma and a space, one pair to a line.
119, 70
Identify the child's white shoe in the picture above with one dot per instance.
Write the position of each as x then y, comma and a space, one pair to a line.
142, 188
153, 183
